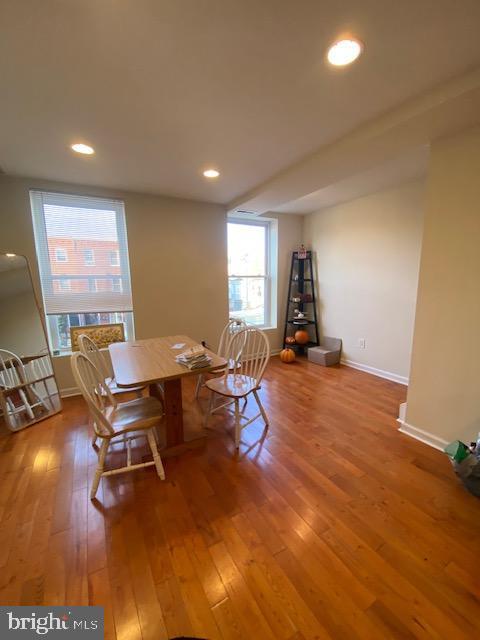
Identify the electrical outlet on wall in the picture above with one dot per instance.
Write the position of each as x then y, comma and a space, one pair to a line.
361, 343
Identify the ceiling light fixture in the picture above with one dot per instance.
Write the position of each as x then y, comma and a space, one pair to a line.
211, 173
11, 255
344, 52
83, 148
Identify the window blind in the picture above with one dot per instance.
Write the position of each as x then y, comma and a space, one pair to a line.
75, 238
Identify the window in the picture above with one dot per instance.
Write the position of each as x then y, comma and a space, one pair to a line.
251, 289
114, 261
88, 257
64, 284
117, 284
61, 255
81, 292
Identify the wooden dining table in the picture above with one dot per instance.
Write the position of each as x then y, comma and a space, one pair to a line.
152, 363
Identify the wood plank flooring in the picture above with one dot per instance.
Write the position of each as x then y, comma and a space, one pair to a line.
333, 526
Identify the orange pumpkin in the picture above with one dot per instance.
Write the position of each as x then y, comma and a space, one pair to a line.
301, 336
287, 355
289, 340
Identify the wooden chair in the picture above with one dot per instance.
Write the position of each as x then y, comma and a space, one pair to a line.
233, 326
88, 347
250, 351
113, 421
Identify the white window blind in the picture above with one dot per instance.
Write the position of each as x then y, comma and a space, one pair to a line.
78, 227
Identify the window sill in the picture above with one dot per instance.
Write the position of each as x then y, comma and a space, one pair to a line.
63, 354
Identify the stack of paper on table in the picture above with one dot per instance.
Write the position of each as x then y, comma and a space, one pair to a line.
194, 358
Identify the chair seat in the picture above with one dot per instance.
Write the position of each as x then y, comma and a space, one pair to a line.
112, 385
232, 385
141, 413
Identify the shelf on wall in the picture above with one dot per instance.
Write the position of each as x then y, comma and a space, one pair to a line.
301, 346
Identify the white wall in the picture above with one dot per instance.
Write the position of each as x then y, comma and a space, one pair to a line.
367, 258
444, 392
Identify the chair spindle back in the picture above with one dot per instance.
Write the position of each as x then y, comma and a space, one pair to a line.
249, 349
95, 391
233, 326
93, 353
12, 371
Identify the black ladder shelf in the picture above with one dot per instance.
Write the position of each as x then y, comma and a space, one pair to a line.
301, 297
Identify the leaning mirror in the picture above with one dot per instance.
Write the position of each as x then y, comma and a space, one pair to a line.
28, 389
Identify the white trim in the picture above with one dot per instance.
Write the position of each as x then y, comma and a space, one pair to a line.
424, 436
394, 377
69, 391
270, 277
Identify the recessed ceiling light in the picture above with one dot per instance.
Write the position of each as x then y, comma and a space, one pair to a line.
11, 255
344, 52
211, 173
83, 148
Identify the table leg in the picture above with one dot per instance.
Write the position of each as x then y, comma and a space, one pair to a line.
174, 411
172, 401
184, 428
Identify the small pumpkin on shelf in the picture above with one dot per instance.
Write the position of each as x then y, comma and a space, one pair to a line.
301, 336
290, 340
287, 355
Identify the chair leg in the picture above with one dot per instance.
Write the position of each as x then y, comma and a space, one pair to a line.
101, 464
209, 410
237, 424
156, 456
199, 385
260, 406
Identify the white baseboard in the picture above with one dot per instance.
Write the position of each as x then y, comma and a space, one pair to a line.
402, 412
423, 436
69, 391
375, 372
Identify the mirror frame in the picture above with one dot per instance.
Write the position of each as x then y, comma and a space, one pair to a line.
41, 316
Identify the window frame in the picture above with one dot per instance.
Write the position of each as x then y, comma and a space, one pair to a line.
41, 238
54, 334
117, 258
270, 268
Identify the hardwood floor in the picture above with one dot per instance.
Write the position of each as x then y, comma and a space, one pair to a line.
335, 526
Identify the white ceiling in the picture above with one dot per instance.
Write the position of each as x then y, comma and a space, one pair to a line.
407, 166
162, 88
